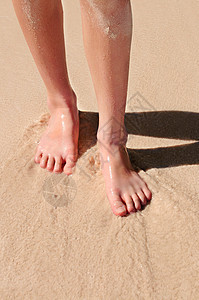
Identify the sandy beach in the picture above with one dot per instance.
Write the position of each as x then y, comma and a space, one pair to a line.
58, 236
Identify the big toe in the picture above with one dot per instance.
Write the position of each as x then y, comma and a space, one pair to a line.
71, 160
118, 207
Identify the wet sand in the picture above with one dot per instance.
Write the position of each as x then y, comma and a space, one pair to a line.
58, 236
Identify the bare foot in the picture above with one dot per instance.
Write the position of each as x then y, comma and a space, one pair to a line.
58, 148
125, 189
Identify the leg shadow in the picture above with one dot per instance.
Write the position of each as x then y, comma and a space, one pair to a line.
162, 124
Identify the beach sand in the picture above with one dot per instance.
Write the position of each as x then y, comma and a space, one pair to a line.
58, 236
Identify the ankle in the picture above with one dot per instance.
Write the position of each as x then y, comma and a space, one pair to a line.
61, 101
112, 137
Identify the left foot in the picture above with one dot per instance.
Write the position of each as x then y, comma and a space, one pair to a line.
125, 189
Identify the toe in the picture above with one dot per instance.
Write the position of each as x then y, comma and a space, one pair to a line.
142, 197
43, 161
147, 192
71, 160
67, 170
136, 201
38, 156
70, 164
51, 163
58, 165
118, 207
129, 203
144, 187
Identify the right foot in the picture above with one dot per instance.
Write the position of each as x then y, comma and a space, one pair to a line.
58, 148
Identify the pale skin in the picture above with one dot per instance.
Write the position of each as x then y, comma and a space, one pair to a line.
107, 40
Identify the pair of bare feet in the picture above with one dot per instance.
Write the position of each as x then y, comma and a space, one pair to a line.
58, 152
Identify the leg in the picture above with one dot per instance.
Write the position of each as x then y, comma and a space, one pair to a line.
107, 39
42, 25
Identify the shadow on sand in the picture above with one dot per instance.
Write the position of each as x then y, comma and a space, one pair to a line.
162, 124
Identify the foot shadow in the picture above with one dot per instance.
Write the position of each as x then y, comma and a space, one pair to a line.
162, 124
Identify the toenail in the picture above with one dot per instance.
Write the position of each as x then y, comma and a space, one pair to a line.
121, 210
